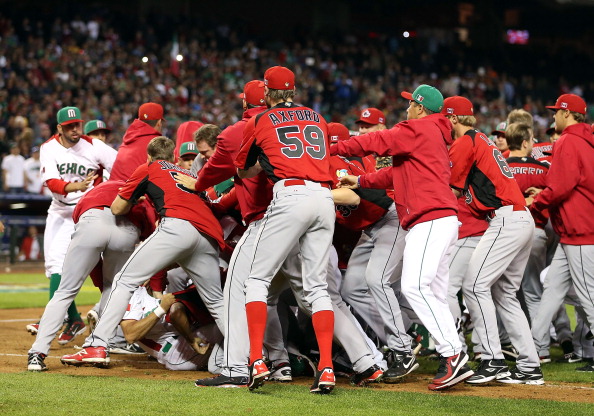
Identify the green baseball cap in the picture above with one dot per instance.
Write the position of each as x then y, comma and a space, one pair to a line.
69, 115
188, 148
427, 96
95, 125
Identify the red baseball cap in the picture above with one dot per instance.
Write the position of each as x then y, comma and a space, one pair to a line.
253, 93
456, 105
570, 102
337, 132
279, 78
150, 111
372, 116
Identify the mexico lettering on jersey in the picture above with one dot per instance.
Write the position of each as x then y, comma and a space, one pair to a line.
289, 141
481, 172
530, 172
170, 199
73, 164
374, 202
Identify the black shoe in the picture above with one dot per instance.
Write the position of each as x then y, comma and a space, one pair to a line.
571, 357
258, 373
404, 363
35, 362
324, 382
567, 346
373, 374
517, 376
489, 370
588, 368
589, 336
222, 381
509, 352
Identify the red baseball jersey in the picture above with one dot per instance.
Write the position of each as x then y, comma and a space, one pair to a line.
543, 151
471, 225
374, 202
142, 215
156, 180
289, 141
481, 172
530, 172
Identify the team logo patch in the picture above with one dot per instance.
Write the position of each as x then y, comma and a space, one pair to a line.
341, 173
287, 84
366, 113
419, 98
450, 111
563, 105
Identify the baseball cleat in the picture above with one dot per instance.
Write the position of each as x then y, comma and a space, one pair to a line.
403, 364
452, 370
281, 372
373, 374
98, 356
517, 376
544, 359
258, 373
33, 328
130, 349
489, 370
222, 381
509, 352
35, 362
73, 329
588, 368
324, 382
570, 357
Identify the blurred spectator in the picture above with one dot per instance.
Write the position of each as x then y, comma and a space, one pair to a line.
33, 182
13, 171
31, 245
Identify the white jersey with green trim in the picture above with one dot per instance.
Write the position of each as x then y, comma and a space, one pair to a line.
73, 165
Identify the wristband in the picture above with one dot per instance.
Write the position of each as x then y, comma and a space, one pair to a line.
159, 311
358, 181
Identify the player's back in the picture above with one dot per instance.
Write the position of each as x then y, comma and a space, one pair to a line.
294, 143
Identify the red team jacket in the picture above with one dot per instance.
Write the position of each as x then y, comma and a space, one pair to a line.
185, 133
132, 152
530, 172
569, 194
290, 141
420, 171
254, 194
170, 199
480, 170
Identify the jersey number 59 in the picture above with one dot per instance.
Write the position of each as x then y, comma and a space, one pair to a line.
310, 140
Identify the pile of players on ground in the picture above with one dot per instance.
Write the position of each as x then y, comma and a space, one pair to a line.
283, 242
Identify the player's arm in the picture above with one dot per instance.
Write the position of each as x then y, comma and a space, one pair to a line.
249, 172
345, 196
136, 330
382, 143
106, 154
218, 168
131, 192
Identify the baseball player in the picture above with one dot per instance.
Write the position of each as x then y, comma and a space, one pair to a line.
291, 143
499, 138
97, 129
132, 151
185, 133
568, 196
188, 234
427, 210
373, 262
69, 162
176, 340
497, 264
370, 120
98, 235
187, 155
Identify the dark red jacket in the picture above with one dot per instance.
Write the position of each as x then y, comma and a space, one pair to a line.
132, 152
185, 133
420, 166
569, 194
254, 194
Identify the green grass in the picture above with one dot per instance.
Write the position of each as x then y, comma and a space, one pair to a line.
58, 394
31, 290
